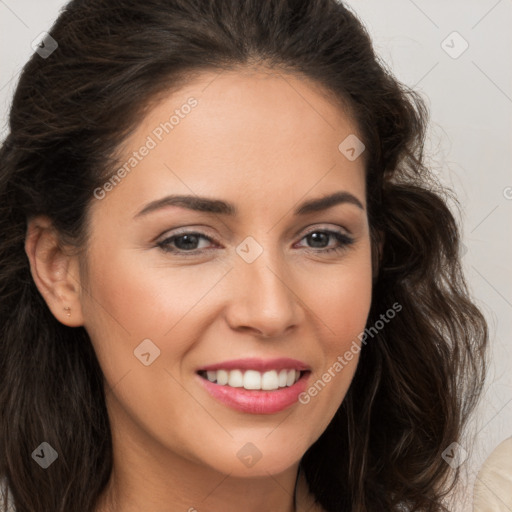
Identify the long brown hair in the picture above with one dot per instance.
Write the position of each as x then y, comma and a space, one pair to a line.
417, 380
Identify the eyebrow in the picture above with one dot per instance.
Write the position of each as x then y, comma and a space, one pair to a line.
217, 206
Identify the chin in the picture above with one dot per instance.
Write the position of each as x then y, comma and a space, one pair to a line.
256, 459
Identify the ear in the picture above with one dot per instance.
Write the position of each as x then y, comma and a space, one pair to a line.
55, 273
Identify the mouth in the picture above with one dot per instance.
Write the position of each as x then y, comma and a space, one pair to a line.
252, 379
256, 386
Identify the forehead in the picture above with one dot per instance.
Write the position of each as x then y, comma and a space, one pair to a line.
233, 131
278, 105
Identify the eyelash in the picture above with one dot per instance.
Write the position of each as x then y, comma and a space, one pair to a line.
343, 240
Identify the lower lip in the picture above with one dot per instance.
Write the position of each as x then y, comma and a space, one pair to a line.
254, 401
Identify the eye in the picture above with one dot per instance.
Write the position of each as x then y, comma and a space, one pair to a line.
192, 243
319, 238
184, 242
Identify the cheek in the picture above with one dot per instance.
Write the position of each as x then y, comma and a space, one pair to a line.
136, 300
342, 300
129, 302
341, 297
345, 303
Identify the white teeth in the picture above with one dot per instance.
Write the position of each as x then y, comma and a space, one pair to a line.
282, 378
236, 379
269, 381
254, 380
222, 377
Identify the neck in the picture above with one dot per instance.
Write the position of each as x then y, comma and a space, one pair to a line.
198, 489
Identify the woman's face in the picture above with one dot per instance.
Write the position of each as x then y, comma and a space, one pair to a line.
246, 279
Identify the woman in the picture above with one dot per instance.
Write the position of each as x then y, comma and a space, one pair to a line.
228, 280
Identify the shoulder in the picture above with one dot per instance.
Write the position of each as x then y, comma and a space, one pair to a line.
492, 491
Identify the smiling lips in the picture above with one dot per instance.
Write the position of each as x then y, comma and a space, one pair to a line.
254, 385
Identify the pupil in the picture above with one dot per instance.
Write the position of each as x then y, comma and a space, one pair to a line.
318, 237
192, 240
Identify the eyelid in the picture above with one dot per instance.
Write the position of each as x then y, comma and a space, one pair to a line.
324, 227
188, 230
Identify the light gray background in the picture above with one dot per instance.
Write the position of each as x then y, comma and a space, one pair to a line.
470, 99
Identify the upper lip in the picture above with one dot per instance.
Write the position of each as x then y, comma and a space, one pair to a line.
261, 365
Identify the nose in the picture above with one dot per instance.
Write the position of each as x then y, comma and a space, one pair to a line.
262, 297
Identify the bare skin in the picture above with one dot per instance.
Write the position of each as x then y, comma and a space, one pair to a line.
266, 143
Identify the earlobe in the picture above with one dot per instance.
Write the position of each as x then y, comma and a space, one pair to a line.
55, 273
